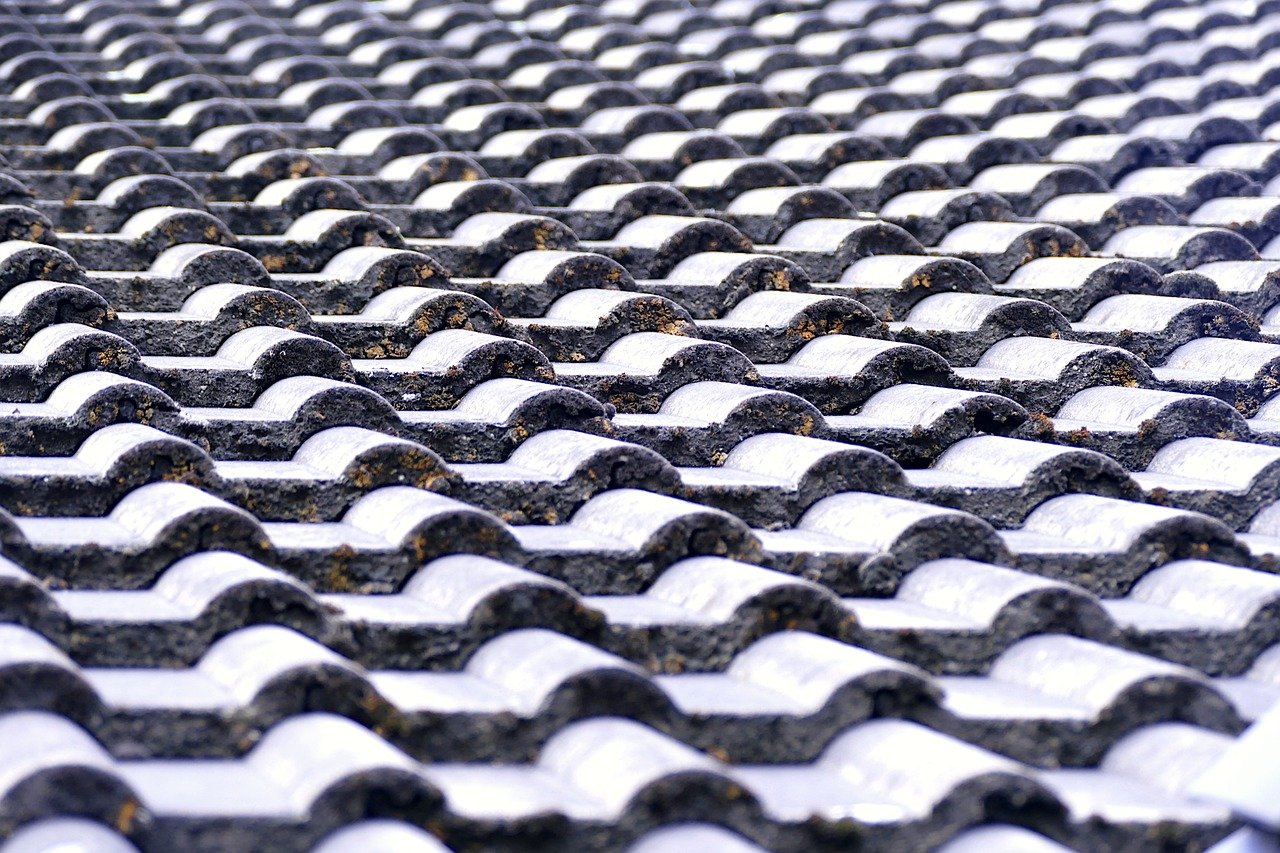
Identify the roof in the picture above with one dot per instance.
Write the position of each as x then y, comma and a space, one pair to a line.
648, 425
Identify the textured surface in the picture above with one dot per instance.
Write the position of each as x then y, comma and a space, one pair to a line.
726, 425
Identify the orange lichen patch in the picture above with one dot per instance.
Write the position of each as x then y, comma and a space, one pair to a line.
126, 816
542, 237
1041, 423
337, 577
